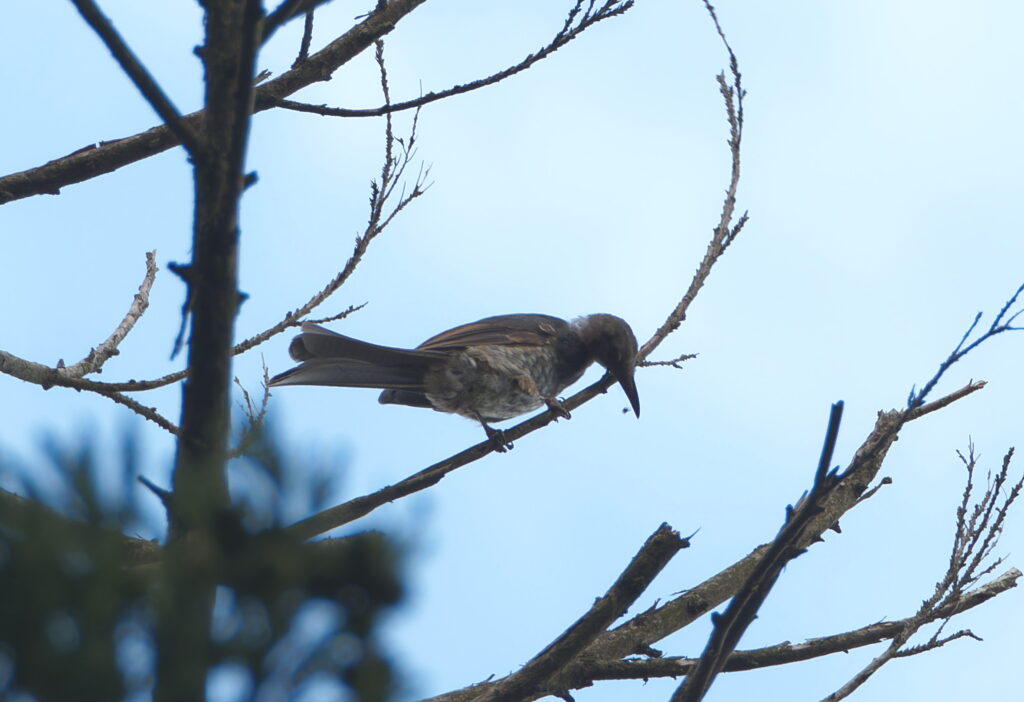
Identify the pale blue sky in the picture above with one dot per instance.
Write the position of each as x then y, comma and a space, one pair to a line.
882, 170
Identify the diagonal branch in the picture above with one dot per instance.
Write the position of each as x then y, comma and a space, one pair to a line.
140, 76
653, 556
730, 626
1000, 323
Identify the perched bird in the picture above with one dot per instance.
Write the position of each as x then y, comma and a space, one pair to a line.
490, 370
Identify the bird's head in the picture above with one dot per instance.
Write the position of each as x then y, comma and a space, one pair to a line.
612, 344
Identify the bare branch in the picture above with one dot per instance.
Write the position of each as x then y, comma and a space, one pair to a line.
380, 217
108, 156
730, 626
966, 390
672, 362
935, 643
655, 554
726, 232
93, 362
140, 409
381, 196
578, 21
999, 325
47, 377
785, 653
974, 539
307, 37
288, 10
255, 416
601, 660
140, 76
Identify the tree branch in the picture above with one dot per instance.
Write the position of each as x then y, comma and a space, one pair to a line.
730, 626
108, 156
139, 75
286, 11
785, 653
974, 539
655, 554
726, 232
94, 360
584, 21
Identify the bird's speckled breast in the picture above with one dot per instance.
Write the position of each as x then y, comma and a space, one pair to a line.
496, 382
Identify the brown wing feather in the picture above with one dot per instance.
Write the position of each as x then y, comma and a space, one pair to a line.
503, 330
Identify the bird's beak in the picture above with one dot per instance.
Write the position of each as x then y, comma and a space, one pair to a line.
625, 377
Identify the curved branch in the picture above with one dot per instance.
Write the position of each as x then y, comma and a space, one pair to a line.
93, 362
726, 232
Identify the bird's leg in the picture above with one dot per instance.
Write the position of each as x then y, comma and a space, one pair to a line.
527, 385
495, 436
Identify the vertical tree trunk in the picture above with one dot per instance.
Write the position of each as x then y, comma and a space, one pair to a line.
200, 484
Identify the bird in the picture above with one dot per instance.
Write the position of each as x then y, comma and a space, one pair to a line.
490, 370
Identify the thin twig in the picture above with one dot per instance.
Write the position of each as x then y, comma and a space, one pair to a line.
307, 37
288, 10
674, 362
998, 326
578, 21
255, 416
725, 232
149, 413
973, 542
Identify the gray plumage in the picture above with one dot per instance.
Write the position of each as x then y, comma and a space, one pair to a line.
490, 370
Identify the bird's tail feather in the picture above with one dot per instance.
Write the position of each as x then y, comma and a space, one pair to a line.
317, 342
328, 358
351, 374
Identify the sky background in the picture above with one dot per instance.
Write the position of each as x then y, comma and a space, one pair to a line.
882, 171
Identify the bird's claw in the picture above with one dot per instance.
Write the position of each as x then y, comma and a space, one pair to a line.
497, 439
556, 406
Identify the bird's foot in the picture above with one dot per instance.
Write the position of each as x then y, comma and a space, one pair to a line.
556, 406
497, 438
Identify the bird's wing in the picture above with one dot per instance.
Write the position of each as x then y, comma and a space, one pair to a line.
503, 330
